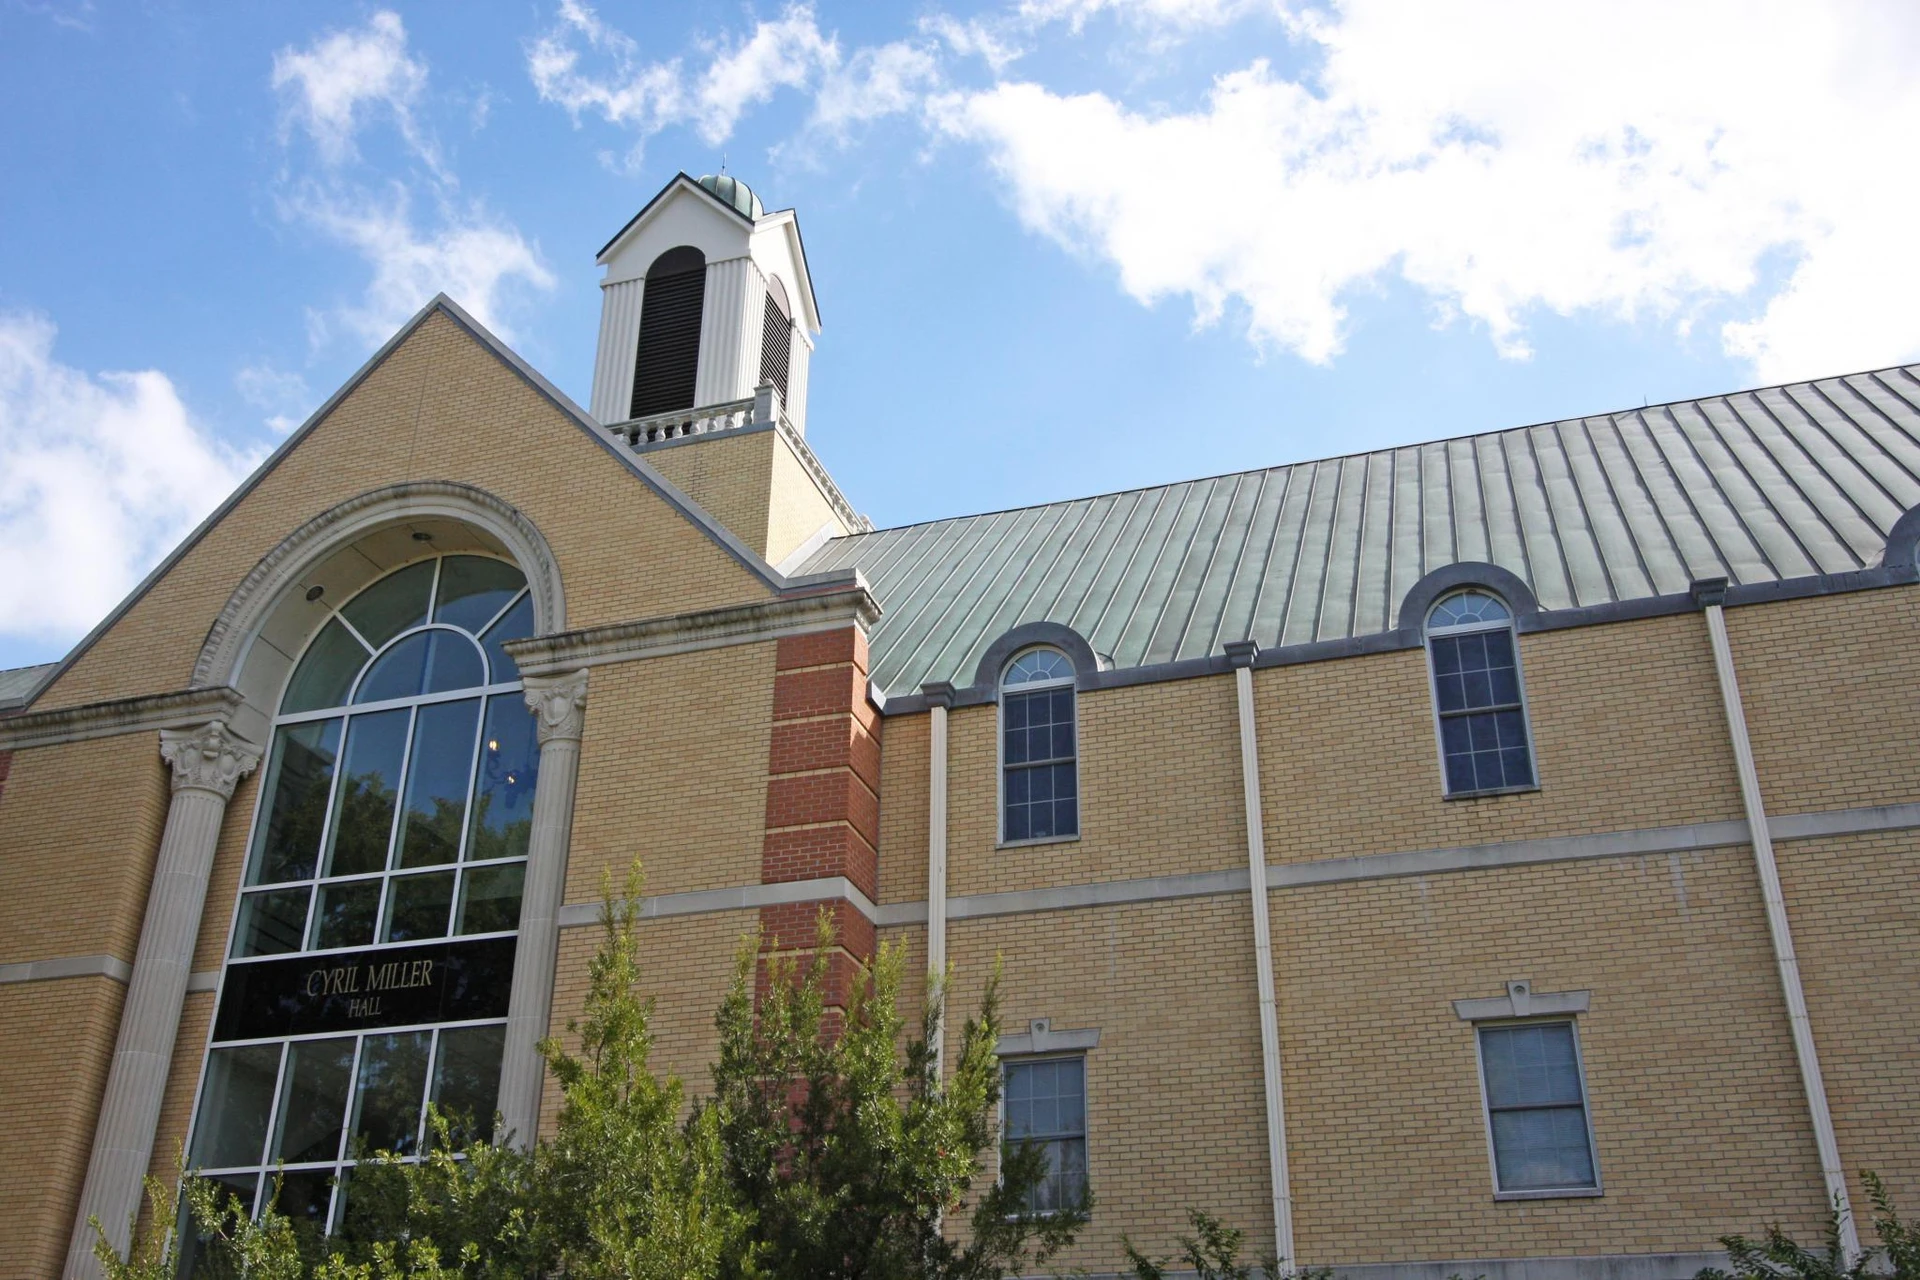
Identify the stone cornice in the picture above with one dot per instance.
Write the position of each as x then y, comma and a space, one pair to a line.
185, 709
794, 613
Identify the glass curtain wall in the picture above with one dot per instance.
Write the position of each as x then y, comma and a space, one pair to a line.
372, 944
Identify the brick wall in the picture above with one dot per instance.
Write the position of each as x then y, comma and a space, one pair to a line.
59, 1042
440, 407
673, 769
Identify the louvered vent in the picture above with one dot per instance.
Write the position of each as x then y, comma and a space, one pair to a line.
776, 347
669, 354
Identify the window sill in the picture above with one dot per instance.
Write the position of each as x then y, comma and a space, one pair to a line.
1027, 844
1491, 791
1552, 1193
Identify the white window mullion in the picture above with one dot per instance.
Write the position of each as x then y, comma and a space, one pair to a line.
273, 1131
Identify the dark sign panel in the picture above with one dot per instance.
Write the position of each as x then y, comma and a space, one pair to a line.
359, 990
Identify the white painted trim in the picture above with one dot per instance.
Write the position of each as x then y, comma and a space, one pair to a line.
1041, 1038
1521, 1001
1001, 690
745, 897
1428, 635
825, 610
1586, 1111
1781, 932
937, 879
184, 709
67, 967
1281, 1179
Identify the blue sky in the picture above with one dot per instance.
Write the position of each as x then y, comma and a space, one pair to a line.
1060, 246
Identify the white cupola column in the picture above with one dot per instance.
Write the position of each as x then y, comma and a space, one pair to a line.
207, 763
560, 705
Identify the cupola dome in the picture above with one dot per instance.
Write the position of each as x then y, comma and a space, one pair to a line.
734, 192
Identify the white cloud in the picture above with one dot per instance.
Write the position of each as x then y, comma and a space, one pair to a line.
875, 82
283, 396
789, 52
1629, 157
100, 475
475, 258
784, 54
990, 40
334, 85
1183, 15
334, 88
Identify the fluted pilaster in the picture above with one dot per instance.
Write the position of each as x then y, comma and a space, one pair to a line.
560, 705
207, 763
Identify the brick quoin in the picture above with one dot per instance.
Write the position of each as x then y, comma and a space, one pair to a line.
822, 648
809, 853
835, 741
790, 927
837, 796
819, 691
822, 807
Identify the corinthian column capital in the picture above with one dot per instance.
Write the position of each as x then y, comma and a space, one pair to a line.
560, 703
210, 758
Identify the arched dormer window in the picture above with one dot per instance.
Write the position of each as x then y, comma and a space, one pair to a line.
776, 337
373, 940
665, 366
1485, 744
1039, 771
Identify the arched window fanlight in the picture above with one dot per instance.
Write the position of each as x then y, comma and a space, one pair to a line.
1040, 785
1479, 704
668, 359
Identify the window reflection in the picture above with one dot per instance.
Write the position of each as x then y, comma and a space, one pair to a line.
378, 828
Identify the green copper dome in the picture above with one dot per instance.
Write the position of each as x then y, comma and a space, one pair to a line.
734, 192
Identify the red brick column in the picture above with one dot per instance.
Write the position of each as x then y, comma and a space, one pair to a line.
823, 803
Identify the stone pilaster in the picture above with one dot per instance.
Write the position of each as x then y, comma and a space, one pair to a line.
560, 704
207, 762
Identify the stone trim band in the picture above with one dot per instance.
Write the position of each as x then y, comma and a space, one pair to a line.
1639, 842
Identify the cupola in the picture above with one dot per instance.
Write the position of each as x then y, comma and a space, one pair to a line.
705, 299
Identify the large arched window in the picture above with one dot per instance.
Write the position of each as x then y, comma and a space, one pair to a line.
1485, 745
1039, 772
372, 944
667, 362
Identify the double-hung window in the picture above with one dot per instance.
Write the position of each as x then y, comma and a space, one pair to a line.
1039, 772
1537, 1109
1485, 745
1045, 1103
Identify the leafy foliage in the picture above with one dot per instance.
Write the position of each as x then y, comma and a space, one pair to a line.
850, 1153
1778, 1256
1213, 1252
827, 1151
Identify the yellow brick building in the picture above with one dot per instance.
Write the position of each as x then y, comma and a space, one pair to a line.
1487, 856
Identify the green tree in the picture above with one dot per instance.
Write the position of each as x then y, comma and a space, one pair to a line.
847, 1147
621, 1189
